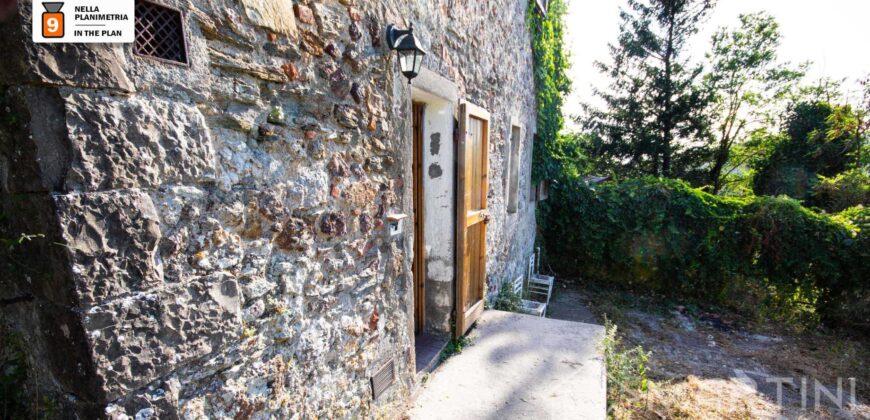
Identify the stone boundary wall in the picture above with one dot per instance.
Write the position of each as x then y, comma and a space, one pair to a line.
211, 239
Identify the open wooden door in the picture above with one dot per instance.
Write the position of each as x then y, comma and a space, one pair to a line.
472, 214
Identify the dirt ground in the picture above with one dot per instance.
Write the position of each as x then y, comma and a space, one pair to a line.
714, 365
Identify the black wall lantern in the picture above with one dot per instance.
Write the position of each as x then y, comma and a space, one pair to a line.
410, 53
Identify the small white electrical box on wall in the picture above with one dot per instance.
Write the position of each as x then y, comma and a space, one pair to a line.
394, 223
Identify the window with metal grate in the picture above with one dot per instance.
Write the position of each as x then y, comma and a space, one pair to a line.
160, 33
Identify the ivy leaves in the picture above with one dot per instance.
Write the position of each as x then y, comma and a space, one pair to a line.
552, 84
667, 236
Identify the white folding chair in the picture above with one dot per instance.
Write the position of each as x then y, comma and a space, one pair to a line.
529, 307
518, 286
541, 287
531, 269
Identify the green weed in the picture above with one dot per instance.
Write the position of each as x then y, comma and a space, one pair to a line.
626, 368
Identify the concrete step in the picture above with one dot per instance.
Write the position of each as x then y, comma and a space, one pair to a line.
520, 366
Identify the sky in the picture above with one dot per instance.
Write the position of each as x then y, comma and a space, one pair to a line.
833, 34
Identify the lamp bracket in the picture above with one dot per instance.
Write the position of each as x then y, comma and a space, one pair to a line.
394, 34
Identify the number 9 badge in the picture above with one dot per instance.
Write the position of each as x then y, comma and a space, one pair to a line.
52, 20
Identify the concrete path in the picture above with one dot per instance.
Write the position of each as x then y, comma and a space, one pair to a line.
569, 305
520, 367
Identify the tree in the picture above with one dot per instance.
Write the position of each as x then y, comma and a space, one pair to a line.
745, 82
851, 124
861, 126
866, 98
819, 140
653, 122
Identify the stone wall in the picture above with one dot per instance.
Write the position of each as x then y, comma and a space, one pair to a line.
210, 238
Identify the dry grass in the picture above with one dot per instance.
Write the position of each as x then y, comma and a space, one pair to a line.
694, 364
825, 358
697, 398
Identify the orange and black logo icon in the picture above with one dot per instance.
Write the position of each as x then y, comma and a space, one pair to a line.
52, 20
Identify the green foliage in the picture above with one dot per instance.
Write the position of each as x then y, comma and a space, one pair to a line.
858, 216
11, 244
820, 139
848, 189
454, 347
643, 231
746, 83
794, 249
507, 299
666, 236
551, 83
626, 368
654, 104
847, 302
709, 125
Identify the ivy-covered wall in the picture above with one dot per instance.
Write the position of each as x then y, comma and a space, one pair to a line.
551, 82
664, 235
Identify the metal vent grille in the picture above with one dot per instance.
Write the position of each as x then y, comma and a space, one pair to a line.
160, 33
383, 379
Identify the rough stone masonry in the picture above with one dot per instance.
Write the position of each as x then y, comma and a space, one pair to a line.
208, 240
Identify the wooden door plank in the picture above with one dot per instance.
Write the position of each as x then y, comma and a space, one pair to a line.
475, 217
484, 192
461, 210
476, 310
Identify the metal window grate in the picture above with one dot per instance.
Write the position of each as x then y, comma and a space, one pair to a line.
160, 33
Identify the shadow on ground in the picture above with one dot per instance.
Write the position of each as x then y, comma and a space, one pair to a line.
519, 366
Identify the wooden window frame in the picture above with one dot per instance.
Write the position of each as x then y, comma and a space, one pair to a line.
512, 184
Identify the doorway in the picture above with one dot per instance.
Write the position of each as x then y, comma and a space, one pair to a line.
427, 346
432, 180
419, 265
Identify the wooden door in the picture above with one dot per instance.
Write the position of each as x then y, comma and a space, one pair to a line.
472, 214
419, 265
